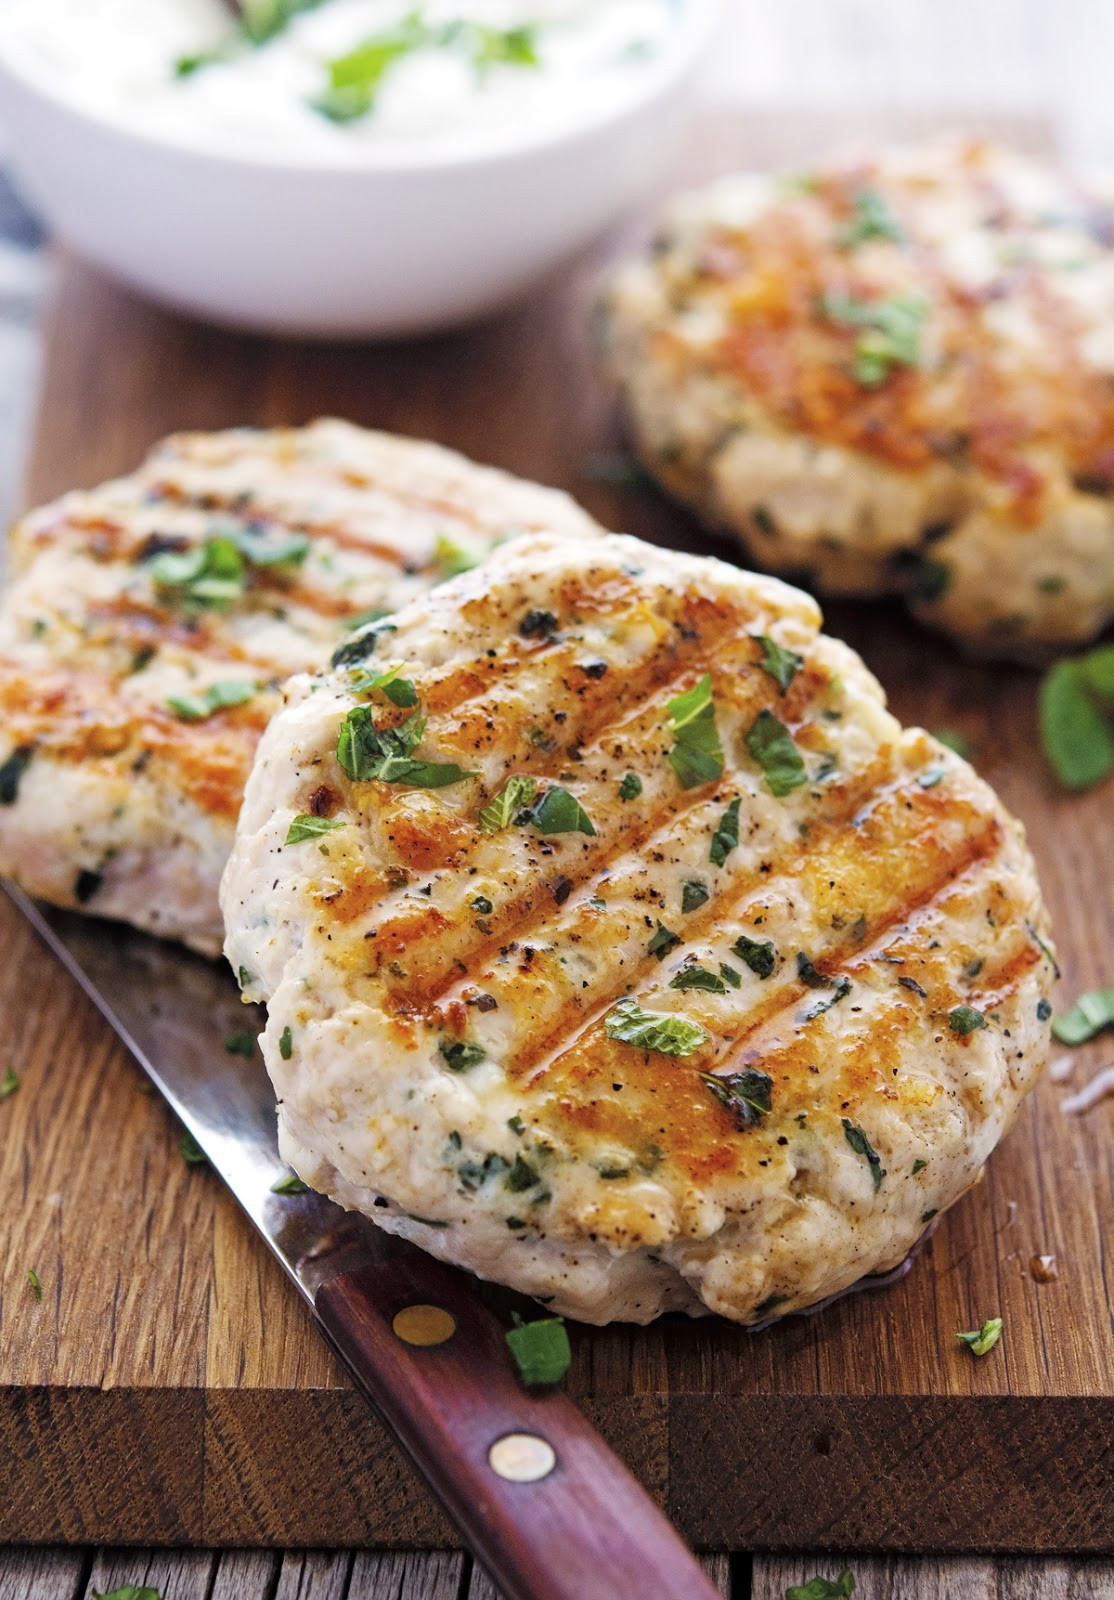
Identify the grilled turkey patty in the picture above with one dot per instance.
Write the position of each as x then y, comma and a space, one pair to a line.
228, 559
734, 990
895, 373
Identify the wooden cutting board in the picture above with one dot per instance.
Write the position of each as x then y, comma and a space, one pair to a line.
169, 1387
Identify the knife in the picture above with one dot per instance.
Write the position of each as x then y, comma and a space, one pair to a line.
540, 1499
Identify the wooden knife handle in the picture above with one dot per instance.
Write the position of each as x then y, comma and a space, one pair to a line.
586, 1529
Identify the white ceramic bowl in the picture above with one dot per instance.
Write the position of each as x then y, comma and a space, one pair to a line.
378, 246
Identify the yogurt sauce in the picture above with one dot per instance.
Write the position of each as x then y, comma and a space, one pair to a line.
118, 57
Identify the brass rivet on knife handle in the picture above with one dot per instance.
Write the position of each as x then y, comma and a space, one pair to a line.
548, 1508
424, 1325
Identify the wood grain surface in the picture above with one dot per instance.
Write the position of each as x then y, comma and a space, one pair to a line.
169, 1388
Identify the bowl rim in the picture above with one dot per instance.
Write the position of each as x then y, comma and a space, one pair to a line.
696, 23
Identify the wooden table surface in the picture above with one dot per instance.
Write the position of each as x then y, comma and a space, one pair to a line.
263, 391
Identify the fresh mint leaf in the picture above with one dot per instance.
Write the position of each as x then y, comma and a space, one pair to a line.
501, 811
770, 743
213, 574
1091, 1013
862, 1146
758, 954
694, 894
363, 642
663, 941
726, 837
1077, 720
781, 664
694, 976
748, 1095
982, 1340
540, 1349
305, 826
662, 1031
560, 812
696, 756
217, 697
390, 684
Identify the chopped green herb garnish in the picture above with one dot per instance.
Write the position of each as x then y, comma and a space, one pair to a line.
694, 976
241, 1044
462, 1054
217, 697
213, 574
782, 665
817, 1009
809, 975
11, 771
10, 1084
862, 1146
983, 1339
560, 812
500, 812
729, 975
919, 1165
363, 642
663, 941
696, 756
631, 787
244, 978
33, 1280
540, 1349
305, 826
758, 954
1044, 1009
694, 894
130, 1591
521, 1177
665, 1032
390, 685
538, 625
428, 1222
265, 549
748, 1095
1077, 718
480, 903
890, 332
1042, 946
354, 79
770, 743
290, 1184
190, 1151
1091, 1013
451, 559
823, 1588
871, 218
367, 752
515, 1124
726, 837
965, 1019
286, 1043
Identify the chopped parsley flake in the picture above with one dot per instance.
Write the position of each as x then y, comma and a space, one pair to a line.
748, 1095
919, 1165
862, 1146
665, 1032
982, 1340
823, 1588
694, 976
10, 1084
11, 771
694, 894
560, 812
726, 837
965, 1019
35, 1285
770, 743
729, 975
462, 1054
540, 1349
501, 811
217, 697
696, 756
782, 665
521, 1177
664, 940
1091, 1013
290, 1184
241, 1044
631, 787
758, 954
1077, 718
889, 336
305, 826
210, 575
286, 1043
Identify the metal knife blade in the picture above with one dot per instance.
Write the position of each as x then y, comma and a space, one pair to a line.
540, 1498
